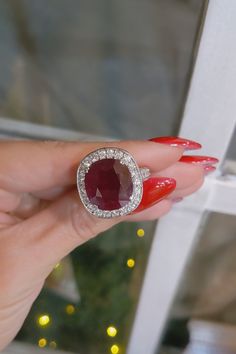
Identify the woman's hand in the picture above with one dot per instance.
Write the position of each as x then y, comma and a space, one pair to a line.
42, 218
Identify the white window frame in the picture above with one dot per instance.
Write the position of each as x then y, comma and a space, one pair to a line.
209, 117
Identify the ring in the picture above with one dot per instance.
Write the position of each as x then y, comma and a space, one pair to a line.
110, 183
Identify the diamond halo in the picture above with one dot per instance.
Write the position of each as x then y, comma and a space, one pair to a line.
137, 176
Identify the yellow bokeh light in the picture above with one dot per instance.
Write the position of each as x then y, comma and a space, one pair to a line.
111, 331
57, 265
115, 349
130, 262
42, 342
140, 232
44, 320
53, 344
70, 309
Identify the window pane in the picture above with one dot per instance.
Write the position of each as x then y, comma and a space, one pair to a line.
114, 68
207, 290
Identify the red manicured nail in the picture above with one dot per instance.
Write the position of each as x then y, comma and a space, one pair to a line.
201, 160
154, 190
177, 142
209, 169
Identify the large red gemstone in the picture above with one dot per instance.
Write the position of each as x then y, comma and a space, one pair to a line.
108, 184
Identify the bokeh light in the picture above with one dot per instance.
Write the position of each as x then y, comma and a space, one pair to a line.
130, 263
57, 265
42, 342
70, 309
111, 331
53, 344
115, 349
140, 232
44, 320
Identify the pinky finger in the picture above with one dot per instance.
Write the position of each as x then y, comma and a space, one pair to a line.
181, 193
152, 213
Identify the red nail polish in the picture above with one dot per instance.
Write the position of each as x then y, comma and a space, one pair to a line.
177, 142
201, 160
208, 169
154, 190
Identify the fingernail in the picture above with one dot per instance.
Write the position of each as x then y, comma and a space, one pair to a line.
177, 142
201, 160
209, 169
154, 190
177, 200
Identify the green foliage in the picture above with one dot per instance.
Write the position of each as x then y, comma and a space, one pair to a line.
108, 294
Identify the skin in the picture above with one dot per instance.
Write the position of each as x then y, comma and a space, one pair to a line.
42, 219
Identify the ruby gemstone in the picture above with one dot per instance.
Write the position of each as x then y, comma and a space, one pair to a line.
108, 184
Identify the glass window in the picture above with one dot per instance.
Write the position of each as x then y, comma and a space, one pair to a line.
105, 67
207, 290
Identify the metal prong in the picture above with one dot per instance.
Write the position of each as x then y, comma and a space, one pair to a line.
145, 172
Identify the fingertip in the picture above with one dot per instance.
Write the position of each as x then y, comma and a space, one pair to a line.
152, 213
193, 172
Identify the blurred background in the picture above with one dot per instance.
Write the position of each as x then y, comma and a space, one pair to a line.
120, 70
102, 67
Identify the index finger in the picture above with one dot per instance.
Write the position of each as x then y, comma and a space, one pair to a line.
29, 166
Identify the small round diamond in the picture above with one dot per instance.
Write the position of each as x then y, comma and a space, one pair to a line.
102, 154
86, 163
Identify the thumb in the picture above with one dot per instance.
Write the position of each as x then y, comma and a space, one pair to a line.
51, 234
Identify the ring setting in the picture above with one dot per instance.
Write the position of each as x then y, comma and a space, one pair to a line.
110, 183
